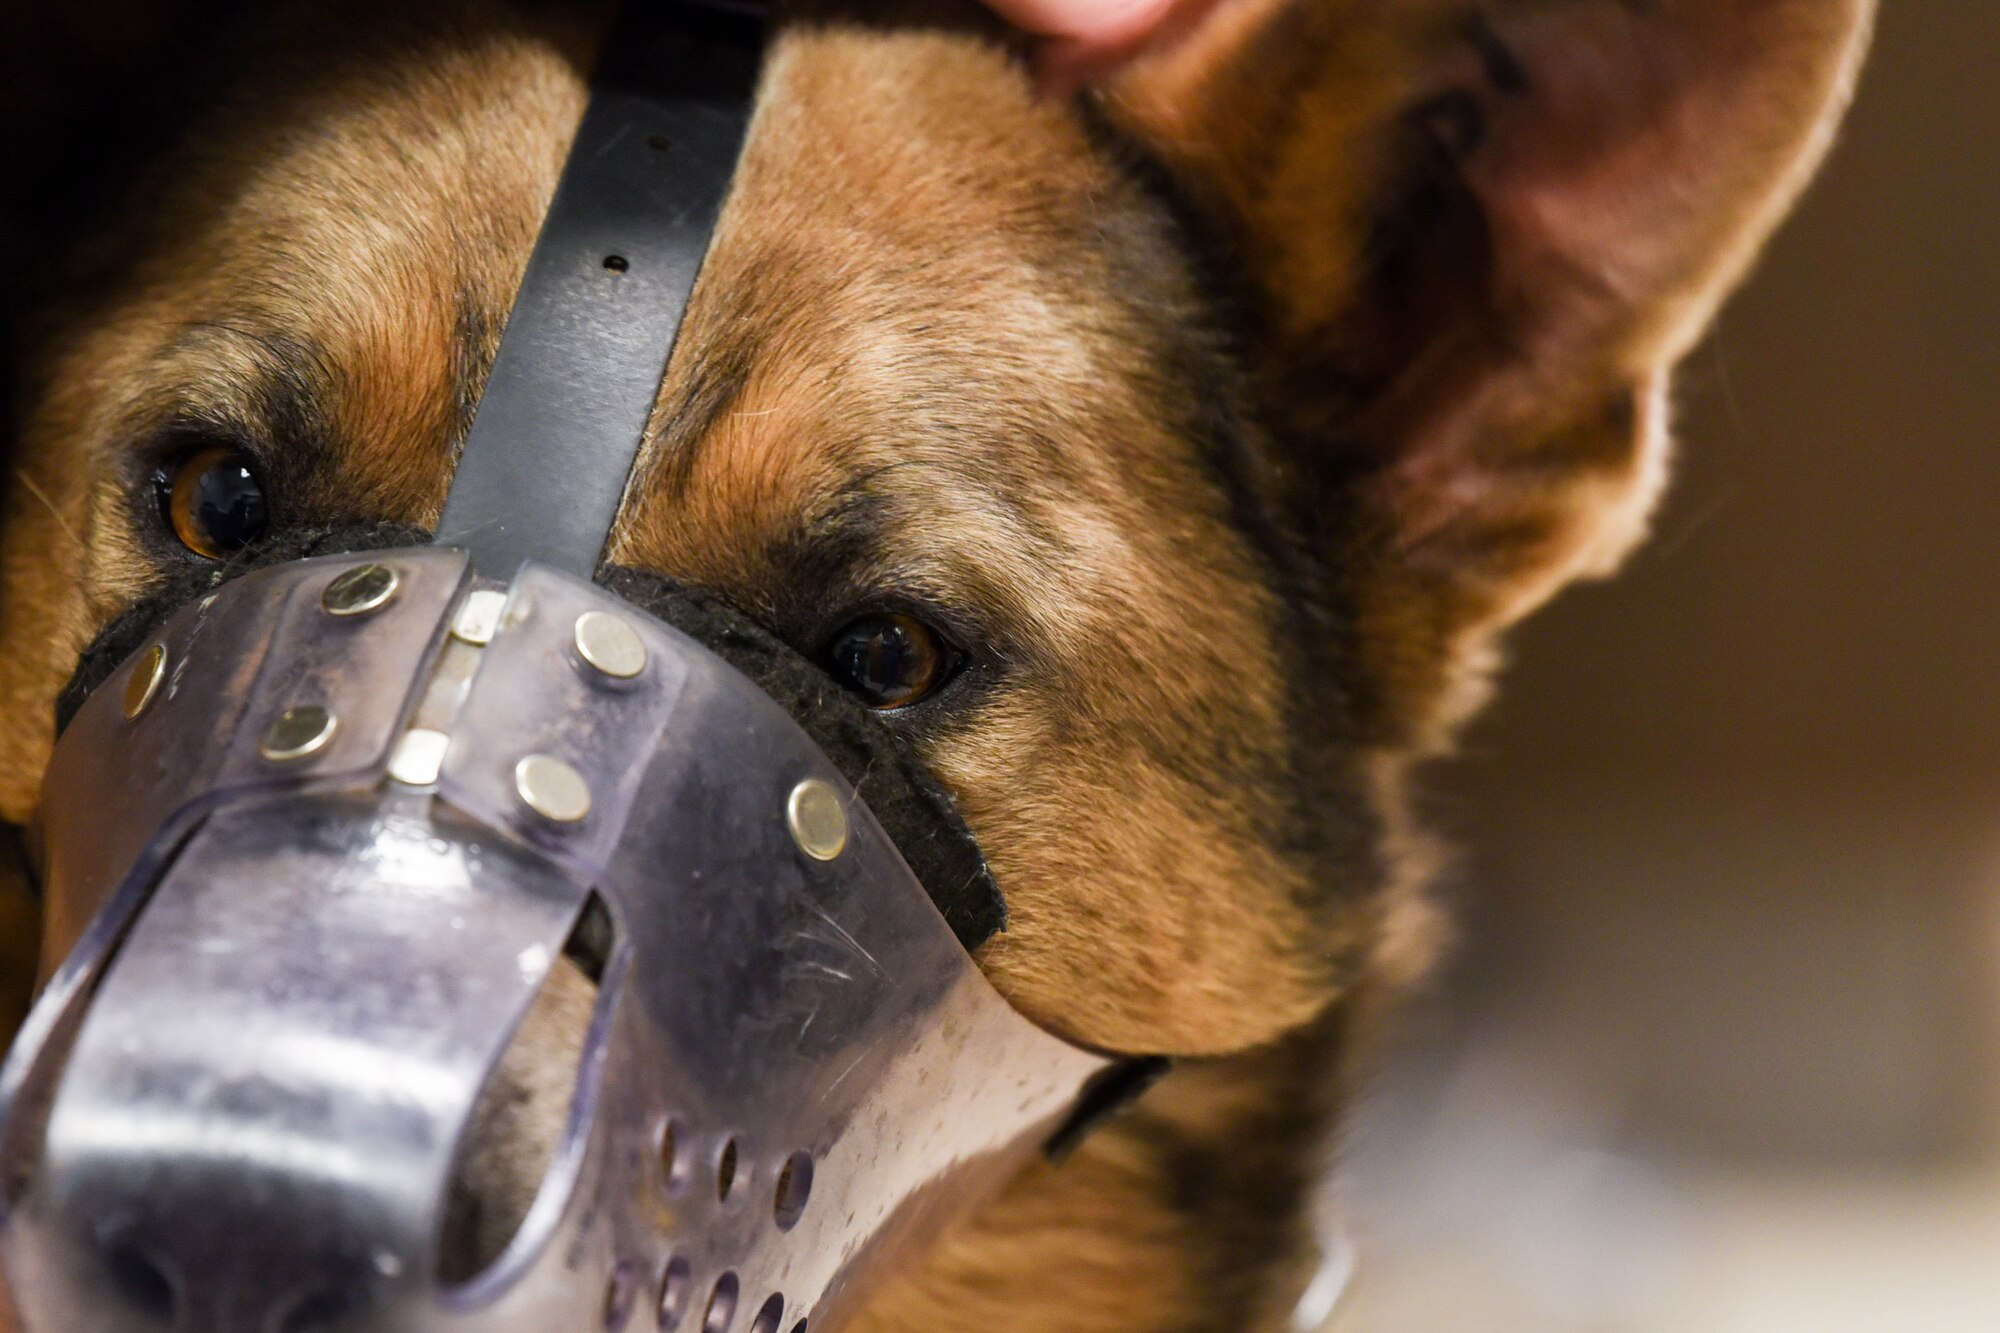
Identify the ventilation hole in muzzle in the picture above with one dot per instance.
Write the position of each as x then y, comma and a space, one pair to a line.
799, 1327
618, 1294
725, 1171
721, 1305
676, 1285
519, 1120
769, 1316
673, 1163
795, 1182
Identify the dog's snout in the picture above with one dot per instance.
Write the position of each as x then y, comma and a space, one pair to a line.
234, 1144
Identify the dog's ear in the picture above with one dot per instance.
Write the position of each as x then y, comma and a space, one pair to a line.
1477, 236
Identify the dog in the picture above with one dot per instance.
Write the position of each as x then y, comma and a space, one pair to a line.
1179, 452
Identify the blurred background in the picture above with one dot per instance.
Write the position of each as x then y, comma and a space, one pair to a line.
1720, 1049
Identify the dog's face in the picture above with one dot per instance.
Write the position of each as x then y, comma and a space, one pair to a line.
1162, 463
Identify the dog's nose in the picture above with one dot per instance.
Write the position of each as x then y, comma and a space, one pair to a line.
156, 1274
187, 1198
257, 1123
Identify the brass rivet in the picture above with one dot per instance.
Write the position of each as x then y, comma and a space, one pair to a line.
610, 644
478, 618
357, 591
552, 789
817, 819
419, 757
297, 732
144, 682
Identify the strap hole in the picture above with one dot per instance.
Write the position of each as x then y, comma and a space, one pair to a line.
617, 263
659, 143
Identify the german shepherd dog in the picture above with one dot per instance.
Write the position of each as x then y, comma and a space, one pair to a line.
1165, 461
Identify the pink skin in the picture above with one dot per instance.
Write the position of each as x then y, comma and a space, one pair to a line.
1082, 40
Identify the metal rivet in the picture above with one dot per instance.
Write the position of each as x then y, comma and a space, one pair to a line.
144, 682
419, 757
478, 618
357, 591
817, 819
610, 644
297, 732
552, 789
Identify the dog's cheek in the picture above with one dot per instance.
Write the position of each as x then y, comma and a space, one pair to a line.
44, 623
1145, 914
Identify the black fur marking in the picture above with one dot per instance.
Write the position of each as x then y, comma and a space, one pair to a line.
685, 422
1502, 67
1455, 122
1238, 1185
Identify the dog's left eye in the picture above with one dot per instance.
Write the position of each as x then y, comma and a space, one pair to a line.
213, 501
891, 660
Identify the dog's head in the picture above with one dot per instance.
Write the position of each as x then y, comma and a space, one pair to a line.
1163, 463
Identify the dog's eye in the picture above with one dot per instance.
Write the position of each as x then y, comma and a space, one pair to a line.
213, 501
891, 660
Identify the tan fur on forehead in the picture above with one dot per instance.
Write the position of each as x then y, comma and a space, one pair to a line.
1005, 418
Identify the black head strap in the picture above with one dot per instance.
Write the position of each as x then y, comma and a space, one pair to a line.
557, 429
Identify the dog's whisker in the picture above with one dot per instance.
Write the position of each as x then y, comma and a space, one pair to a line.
21, 475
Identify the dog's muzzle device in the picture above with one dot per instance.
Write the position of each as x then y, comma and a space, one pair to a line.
322, 837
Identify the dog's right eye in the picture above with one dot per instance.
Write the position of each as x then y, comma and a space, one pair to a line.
891, 660
212, 501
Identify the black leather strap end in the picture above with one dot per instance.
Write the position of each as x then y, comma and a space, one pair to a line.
551, 447
1109, 1092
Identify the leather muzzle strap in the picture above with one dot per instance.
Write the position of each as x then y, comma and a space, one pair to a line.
564, 410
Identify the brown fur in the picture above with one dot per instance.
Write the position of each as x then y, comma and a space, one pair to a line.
1227, 416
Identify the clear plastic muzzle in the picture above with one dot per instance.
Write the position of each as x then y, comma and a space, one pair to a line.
319, 850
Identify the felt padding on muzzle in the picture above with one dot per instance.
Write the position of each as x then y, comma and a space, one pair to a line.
907, 800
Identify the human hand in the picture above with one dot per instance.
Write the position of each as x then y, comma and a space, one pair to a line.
1082, 40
